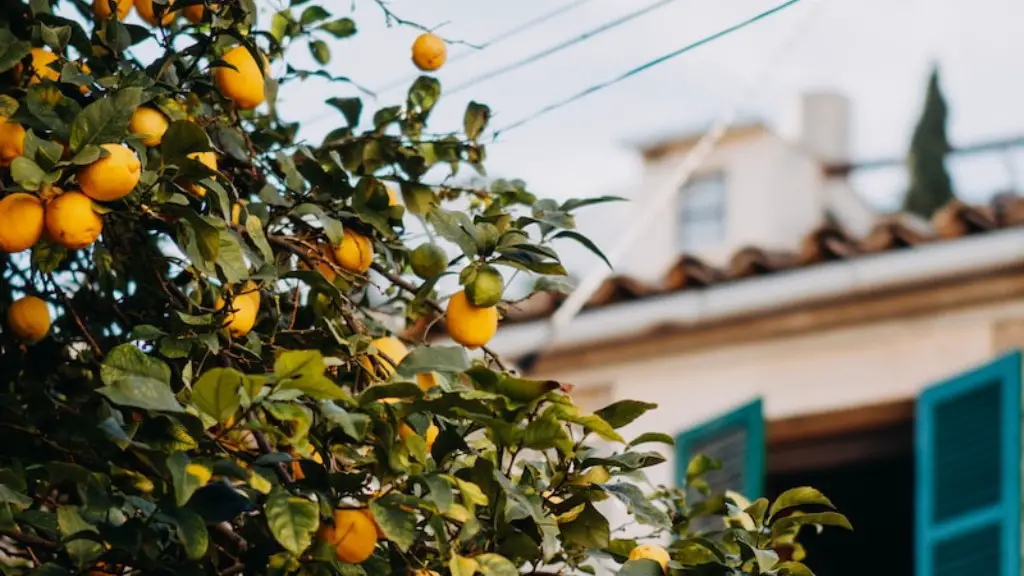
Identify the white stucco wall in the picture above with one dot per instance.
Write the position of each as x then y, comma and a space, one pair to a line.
806, 374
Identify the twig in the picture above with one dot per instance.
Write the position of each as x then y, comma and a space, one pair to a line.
78, 319
390, 18
29, 539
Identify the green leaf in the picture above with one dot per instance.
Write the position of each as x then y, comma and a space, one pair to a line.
186, 477
331, 226
142, 392
350, 108
547, 432
12, 50
623, 412
355, 425
647, 437
456, 227
340, 28
397, 525
596, 424
82, 550
433, 359
105, 120
216, 393
8, 105
766, 559
230, 259
16, 499
639, 505
586, 242
254, 228
475, 119
183, 138
47, 256
641, 567
574, 203
627, 461
313, 14
441, 493
462, 566
782, 525
802, 496
27, 173
191, 533
495, 565
126, 360
699, 464
299, 364
424, 93
292, 520
793, 569
320, 51
590, 529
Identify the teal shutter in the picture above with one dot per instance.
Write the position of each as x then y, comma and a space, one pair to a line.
968, 467
736, 440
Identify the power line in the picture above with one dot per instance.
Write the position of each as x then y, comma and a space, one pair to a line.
643, 67
559, 47
500, 37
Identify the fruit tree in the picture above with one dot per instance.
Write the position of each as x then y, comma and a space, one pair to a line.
194, 378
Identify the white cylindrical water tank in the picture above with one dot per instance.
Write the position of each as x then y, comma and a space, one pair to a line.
825, 126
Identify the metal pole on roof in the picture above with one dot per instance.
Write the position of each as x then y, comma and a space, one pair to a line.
665, 190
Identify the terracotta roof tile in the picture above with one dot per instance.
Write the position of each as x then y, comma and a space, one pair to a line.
823, 244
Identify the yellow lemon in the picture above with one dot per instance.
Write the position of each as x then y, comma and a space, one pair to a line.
148, 12
101, 8
427, 380
468, 325
392, 197
352, 534
12, 141
425, 572
71, 221
208, 159
429, 52
236, 212
369, 514
149, 124
651, 552
21, 222
322, 257
29, 319
40, 66
242, 316
244, 84
391, 347
112, 177
355, 253
195, 12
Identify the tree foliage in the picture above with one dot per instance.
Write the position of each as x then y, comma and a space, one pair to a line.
218, 391
930, 186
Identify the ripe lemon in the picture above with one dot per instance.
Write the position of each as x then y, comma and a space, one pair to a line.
71, 221
369, 514
352, 534
429, 52
393, 348
355, 253
323, 255
208, 159
40, 66
428, 261
432, 431
112, 177
195, 12
29, 319
427, 380
651, 552
425, 572
242, 316
148, 12
101, 8
392, 196
244, 84
12, 141
149, 124
21, 222
468, 325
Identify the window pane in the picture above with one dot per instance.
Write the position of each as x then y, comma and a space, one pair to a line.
701, 219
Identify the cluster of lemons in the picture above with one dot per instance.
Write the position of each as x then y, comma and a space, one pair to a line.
121, 9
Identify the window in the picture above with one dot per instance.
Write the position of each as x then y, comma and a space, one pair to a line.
701, 212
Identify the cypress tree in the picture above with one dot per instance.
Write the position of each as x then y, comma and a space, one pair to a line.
930, 186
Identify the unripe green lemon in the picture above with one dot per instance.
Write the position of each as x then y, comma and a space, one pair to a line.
486, 288
489, 235
428, 261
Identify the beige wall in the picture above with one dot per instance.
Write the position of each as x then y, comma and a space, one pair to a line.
811, 373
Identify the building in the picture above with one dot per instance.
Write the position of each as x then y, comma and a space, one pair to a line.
802, 340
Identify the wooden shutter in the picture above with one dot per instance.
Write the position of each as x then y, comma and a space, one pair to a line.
968, 468
735, 439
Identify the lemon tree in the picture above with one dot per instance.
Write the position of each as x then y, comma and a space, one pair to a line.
193, 378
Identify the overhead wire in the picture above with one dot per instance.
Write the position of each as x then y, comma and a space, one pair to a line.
497, 39
642, 68
610, 25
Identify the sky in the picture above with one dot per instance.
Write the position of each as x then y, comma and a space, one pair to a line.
877, 52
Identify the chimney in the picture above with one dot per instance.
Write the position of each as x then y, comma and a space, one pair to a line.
825, 127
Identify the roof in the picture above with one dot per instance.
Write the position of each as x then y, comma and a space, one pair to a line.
827, 243
655, 147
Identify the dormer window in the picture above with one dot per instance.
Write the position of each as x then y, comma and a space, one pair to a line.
701, 212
